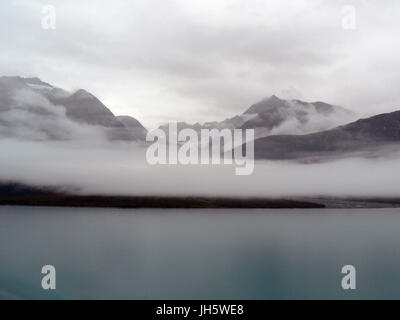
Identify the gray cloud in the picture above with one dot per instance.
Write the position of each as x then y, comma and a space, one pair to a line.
120, 168
33, 117
207, 60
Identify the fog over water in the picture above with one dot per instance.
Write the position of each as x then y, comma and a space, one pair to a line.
42, 147
161, 61
121, 168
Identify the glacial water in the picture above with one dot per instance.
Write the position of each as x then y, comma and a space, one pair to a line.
199, 254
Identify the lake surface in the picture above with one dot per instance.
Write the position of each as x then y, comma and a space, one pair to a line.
199, 254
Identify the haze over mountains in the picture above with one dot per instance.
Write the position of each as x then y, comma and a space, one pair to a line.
369, 135
55, 138
33, 109
277, 116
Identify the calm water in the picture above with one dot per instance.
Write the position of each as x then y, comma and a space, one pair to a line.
199, 254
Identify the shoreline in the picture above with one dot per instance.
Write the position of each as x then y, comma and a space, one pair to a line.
15, 194
132, 202
138, 202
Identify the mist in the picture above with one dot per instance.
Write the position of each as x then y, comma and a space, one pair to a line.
121, 169
31, 116
311, 122
42, 146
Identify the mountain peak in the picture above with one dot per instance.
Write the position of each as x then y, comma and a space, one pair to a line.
32, 81
83, 94
37, 81
272, 100
266, 104
80, 107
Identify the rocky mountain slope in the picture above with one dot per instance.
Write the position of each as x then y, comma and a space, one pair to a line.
362, 135
273, 116
35, 109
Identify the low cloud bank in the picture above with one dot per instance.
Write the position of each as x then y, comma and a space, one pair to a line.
30, 116
313, 121
121, 169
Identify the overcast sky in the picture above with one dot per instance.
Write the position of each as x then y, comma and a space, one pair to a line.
202, 60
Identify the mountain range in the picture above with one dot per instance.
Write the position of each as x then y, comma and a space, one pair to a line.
368, 135
285, 129
278, 116
41, 110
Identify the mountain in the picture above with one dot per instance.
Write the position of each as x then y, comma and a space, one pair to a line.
133, 126
45, 111
362, 135
82, 106
278, 116
273, 116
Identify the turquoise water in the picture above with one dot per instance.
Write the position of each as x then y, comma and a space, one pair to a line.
199, 254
